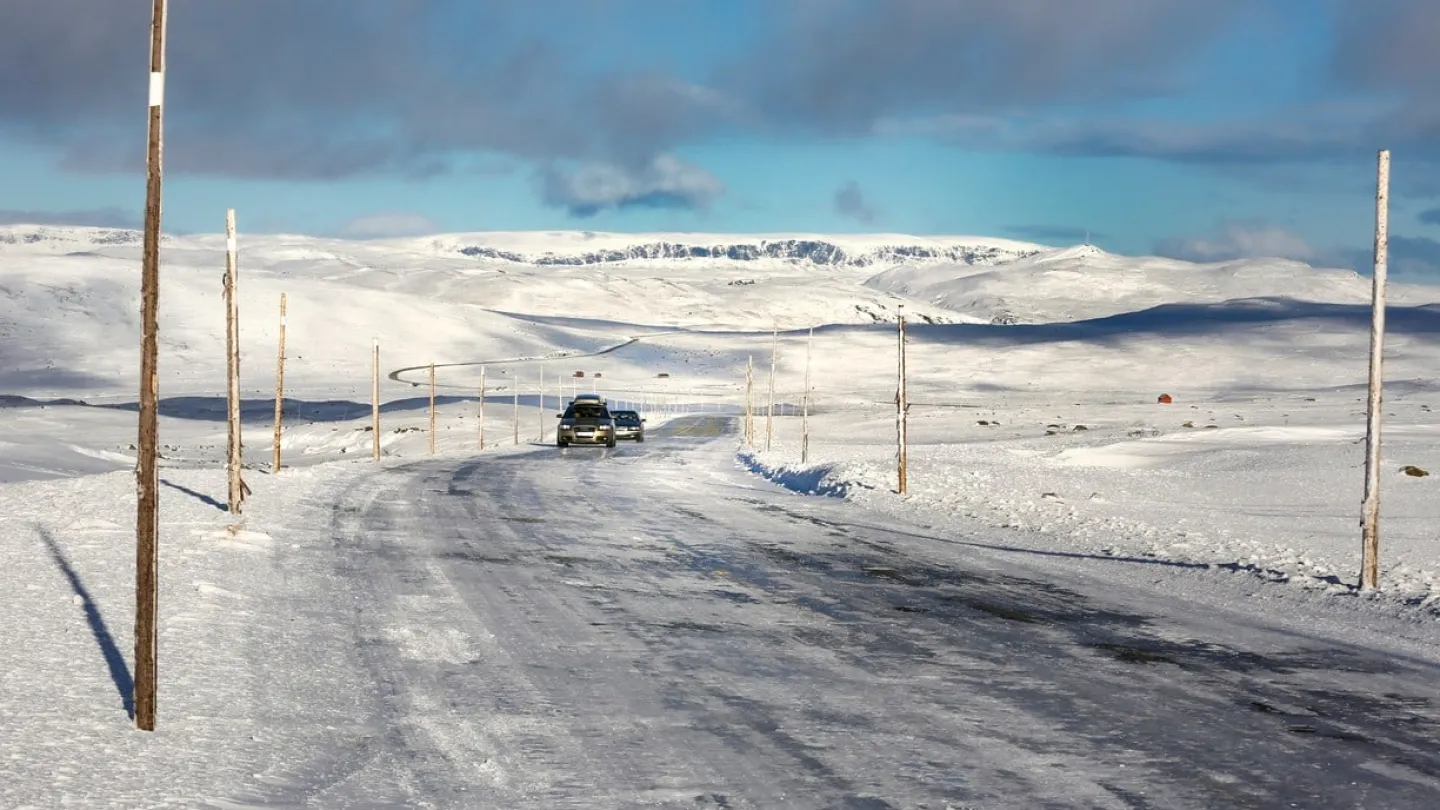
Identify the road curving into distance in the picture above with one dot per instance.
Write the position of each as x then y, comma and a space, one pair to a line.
651, 626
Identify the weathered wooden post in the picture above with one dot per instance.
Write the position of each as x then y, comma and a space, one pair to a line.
902, 411
279, 389
770, 410
1370, 509
805, 404
147, 475
375, 400
234, 457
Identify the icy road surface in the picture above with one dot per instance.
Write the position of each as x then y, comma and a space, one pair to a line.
651, 627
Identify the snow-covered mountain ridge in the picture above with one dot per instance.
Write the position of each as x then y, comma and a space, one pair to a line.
801, 250
67, 236
582, 248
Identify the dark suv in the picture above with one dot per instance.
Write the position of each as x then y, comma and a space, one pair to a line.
586, 422
629, 425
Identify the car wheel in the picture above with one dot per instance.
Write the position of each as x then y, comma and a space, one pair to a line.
562, 443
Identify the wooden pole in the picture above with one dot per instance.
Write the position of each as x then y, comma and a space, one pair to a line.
432, 408
750, 401
482, 408
375, 401
902, 409
147, 474
805, 403
770, 411
279, 389
1370, 509
235, 455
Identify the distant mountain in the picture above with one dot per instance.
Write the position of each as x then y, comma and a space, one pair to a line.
584, 248
46, 235
579, 249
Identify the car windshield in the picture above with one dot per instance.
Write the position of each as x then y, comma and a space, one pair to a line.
627, 418
586, 411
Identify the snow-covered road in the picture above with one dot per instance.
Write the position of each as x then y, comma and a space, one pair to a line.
651, 627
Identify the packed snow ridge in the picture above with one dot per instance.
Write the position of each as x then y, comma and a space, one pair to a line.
794, 250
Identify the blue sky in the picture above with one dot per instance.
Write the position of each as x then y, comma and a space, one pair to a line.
1203, 130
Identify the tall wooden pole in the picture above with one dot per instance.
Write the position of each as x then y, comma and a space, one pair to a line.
902, 415
482, 408
375, 401
279, 389
805, 404
770, 410
1370, 509
235, 455
432, 408
147, 476
750, 401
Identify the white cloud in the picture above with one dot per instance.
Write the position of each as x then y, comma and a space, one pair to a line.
666, 182
1238, 239
388, 223
94, 217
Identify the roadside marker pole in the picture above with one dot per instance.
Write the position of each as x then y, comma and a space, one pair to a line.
902, 408
279, 389
482, 408
147, 474
375, 401
770, 410
1370, 510
805, 404
234, 456
750, 401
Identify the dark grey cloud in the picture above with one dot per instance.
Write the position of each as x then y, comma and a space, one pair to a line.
96, 218
666, 182
841, 65
1054, 233
332, 88
1385, 52
1388, 45
325, 89
1429, 217
1416, 257
329, 89
850, 202
1412, 256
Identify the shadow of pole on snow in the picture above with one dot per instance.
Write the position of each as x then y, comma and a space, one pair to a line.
202, 497
114, 660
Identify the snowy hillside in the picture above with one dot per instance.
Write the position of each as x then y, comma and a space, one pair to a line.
1092, 338
393, 633
1085, 282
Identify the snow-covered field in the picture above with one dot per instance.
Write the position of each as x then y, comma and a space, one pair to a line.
1035, 428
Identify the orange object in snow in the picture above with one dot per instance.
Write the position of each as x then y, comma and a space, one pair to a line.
1165, 399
